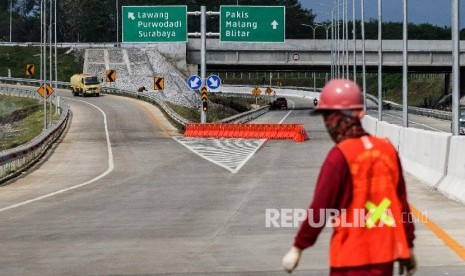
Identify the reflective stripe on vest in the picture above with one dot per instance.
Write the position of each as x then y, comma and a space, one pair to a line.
381, 238
378, 213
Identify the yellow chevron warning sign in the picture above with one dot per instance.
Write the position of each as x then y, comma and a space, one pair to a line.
45, 92
158, 83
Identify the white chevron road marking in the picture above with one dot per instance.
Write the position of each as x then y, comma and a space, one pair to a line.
231, 154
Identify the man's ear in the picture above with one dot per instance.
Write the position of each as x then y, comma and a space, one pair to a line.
358, 114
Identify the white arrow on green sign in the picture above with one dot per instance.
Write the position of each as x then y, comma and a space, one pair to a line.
252, 23
154, 24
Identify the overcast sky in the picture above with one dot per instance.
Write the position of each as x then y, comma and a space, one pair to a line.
436, 12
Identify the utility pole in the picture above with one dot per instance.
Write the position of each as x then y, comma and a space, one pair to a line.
338, 48
43, 6
347, 38
455, 67
354, 41
50, 58
343, 38
203, 54
405, 67
56, 56
380, 62
11, 17
362, 11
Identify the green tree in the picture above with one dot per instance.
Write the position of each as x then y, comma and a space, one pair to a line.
95, 24
95, 20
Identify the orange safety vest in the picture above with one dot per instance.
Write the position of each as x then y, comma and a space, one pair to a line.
377, 233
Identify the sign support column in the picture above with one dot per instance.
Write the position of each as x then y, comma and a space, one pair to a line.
203, 48
455, 67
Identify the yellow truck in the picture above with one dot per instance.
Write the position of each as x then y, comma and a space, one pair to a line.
83, 84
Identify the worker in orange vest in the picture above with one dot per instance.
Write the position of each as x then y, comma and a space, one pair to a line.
361, 181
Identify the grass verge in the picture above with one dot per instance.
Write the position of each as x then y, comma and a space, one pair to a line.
21, 119
16, 59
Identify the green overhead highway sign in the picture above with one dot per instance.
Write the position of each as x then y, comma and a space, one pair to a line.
252, 23
154, 24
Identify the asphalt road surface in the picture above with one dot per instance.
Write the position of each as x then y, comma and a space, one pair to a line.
120, 196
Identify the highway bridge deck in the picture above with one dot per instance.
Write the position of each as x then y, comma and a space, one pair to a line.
141, 203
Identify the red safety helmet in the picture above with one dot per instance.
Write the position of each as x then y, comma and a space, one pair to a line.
340, 94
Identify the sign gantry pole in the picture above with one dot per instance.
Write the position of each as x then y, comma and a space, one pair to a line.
203, 54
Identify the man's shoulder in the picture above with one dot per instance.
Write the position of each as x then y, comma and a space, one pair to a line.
335, 155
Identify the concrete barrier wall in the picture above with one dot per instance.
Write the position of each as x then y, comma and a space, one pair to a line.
369, 124
438, 159
390, 131
424, 154
453, 185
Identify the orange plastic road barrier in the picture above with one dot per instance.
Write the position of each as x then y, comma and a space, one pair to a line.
301, 134
248, 131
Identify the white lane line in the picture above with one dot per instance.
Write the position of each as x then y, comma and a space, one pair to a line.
415, 123
109, 170
288, 113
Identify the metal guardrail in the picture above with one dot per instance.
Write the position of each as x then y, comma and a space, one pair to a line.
303, 88
246, 116
14, 91
71, 44
21, 81
14, 161
142, 96
239, 118
173, 115
438, 114
235, 95
151, 99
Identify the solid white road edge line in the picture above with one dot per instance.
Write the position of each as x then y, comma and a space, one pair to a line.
288, 113
109, 170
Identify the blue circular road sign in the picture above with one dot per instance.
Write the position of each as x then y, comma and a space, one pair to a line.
213, 82
194, 82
